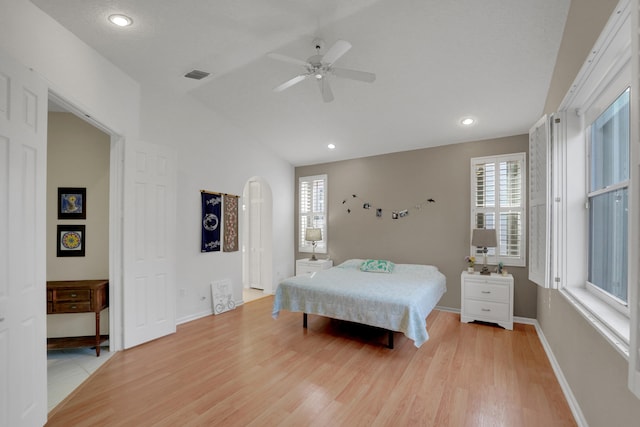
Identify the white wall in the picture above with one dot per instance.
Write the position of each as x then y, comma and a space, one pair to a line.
216, 156
70, 67
212, 153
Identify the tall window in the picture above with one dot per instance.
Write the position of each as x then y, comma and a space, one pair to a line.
498, 202
608, 201
312, 196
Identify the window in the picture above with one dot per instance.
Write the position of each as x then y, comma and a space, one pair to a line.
594, 235
312, 196
497, 202
608, 179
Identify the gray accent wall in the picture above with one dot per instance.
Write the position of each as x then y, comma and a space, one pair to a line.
438, 233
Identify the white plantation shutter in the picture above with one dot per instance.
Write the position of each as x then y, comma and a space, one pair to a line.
539, 203
312, 194
497, 191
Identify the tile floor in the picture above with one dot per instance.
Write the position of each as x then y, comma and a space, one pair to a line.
68, 368
250, 294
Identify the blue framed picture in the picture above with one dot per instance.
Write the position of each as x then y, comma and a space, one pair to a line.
72, 203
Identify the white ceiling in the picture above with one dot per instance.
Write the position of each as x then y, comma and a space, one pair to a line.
436, 61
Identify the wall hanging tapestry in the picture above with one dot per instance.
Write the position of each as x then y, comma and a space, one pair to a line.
230, 223
211, 206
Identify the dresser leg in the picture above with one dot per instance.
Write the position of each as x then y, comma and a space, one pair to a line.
98, 334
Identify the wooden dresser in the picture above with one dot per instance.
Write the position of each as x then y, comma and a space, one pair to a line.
78, 296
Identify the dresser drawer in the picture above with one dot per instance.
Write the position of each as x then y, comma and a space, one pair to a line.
488, 310
71, 307
72, 295
486, 291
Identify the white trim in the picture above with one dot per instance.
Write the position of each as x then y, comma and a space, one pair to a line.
610, 323
634, 207
564, 384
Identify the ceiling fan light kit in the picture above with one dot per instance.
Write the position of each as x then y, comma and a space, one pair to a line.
321, 66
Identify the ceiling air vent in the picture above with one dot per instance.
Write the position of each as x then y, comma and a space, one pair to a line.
196, 74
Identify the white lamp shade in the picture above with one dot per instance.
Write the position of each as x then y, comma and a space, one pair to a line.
484, 238
313, 234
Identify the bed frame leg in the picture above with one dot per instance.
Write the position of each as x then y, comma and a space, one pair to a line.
304, 320
390, 340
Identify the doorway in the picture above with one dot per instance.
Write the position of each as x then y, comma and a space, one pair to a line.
68, 368
257, 239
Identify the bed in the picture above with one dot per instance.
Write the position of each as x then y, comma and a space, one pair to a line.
398, 300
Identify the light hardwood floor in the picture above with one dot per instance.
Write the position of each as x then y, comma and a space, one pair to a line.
245, 368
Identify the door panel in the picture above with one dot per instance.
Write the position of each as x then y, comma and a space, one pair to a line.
23, 157
255, 235
149, 286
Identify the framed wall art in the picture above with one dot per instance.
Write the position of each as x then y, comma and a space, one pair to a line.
70, 240
72, 203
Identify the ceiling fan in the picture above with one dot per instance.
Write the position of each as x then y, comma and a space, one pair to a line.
321, 66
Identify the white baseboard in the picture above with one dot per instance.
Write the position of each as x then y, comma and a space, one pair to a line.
193, 317
568, 394
200, 315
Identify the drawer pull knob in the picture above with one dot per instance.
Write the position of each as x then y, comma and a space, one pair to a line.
74, 295
486, 309
74, 307
486, 292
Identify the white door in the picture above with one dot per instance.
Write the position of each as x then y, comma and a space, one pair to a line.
23, 171
255, 234
149, 254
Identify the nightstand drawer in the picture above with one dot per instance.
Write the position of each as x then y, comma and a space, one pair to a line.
487, 291
488, 310
305, 266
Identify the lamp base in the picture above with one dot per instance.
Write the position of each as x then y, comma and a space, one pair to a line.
313, 258
485, 271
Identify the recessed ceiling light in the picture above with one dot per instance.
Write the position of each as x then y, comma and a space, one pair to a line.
331, 146
467, 121
120, 20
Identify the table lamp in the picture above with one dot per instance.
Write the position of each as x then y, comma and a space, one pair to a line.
313, 235
484, 238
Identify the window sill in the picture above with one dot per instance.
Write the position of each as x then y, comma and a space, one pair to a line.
612, 325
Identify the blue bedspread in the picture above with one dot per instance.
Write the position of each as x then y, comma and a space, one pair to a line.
397, 301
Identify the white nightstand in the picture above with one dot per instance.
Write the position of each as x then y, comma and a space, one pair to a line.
304, 266
487, 298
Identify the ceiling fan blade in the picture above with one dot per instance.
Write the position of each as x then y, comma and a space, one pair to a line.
290, 82
336, 51
325, 89
362, 76
288, 59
